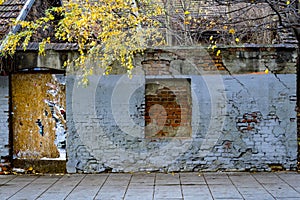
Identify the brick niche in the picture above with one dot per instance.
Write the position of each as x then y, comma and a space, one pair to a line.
168, 108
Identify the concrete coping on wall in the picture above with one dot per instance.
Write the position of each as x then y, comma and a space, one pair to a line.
34, 46
246, 45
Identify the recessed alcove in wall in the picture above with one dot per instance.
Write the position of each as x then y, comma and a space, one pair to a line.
168, 108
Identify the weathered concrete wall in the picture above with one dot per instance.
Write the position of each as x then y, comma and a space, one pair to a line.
4, 129
239, 121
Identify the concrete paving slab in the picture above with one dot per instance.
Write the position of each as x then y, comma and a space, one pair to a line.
281, 191
217, 178
200, 192
224, 192
111, 193
35, 188
245, 180
5, 178
139, 193
63, 187
267, 178
88, 187
167, 191
255, 193
15, 185
154, 186
167, 179
192, 179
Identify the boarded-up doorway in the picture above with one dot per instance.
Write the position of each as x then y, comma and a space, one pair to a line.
38, 115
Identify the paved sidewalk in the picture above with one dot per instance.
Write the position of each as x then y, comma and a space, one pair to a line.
157, 186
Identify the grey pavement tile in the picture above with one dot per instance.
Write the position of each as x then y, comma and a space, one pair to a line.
229, 199
113, 194
139, 193
118, 176
244, 181
6, 178
192, 178
169, 199
196, 192
218, 180
257, 197
84, 192
35, 188
248, 186
224, 192
170, 191
292, 178
144, 179
45, 179
267, 177
281, 191
256, 193
197, 198
109, 188
15, 185
63, 186
53, 195
94, 179
88, 187
116, 183
121, 180
140, 175
167, 179
138, 197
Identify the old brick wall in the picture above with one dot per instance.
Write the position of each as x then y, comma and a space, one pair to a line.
4, 128
241, 117
168, 109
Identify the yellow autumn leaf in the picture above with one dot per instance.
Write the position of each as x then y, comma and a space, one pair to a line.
218, 52
232, 31
267, 71
211, 37
237, 39
186, 12
288, 3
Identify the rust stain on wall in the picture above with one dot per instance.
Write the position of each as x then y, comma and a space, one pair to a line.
38, 102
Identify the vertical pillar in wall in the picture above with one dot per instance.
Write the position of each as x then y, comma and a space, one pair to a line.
4, 128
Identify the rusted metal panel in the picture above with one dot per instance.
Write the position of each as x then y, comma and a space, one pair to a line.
38, 106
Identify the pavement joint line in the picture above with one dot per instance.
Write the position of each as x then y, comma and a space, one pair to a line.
75, 186
180, 183
127, 187
262, 185
287, 183
208, 186
235, 185
101, 186
48, 187
9, 180
154, 185
24, 186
